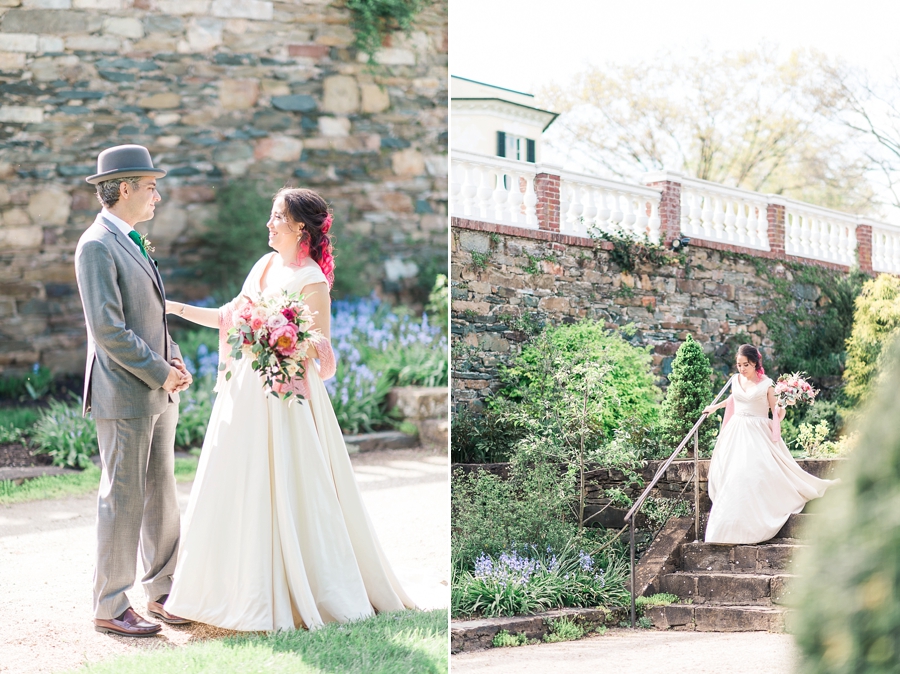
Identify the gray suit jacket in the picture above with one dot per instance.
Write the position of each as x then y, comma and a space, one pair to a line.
128, 340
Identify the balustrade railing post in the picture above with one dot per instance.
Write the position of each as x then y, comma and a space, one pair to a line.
631, 522
696, 486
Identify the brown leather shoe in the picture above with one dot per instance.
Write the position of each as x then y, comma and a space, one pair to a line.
158, 610
129, 624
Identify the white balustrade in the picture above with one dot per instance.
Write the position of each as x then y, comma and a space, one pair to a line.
885, 248
589, 205
728, 215
492, 189
818, 233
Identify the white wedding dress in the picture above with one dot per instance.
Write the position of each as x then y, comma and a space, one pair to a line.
276, 535
754, 483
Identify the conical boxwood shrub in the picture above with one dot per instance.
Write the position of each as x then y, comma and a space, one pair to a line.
690, 390
848, 593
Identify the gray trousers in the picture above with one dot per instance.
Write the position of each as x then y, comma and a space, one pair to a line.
137, 509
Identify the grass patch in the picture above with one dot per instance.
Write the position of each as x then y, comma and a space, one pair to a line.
74, 484
563, 629
661, 599
406, 641
504, 639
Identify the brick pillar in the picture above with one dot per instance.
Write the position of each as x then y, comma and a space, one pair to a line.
546, 188
864, 248
669, 210
775, 216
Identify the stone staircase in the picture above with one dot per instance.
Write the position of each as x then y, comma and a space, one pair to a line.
731, 588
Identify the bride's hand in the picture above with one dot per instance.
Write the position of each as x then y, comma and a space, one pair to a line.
169, 308
709, 409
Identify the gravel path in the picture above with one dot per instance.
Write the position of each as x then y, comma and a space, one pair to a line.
622, 650
47, 549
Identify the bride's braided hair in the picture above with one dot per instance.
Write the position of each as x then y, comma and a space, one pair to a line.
306, 206
752, 354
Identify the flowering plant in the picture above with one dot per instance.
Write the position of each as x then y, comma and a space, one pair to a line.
791, 389
276, 332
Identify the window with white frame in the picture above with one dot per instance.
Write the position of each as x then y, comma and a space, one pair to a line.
515, 147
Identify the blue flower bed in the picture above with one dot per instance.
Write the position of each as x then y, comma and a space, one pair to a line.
377, 347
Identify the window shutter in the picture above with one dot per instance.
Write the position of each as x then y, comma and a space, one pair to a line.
501, 143
530, 150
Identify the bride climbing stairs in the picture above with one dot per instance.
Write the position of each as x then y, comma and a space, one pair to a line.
723, 588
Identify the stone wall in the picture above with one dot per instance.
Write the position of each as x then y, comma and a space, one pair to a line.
506, 280
220, 91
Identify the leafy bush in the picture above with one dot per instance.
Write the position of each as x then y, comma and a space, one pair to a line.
848, 585
659, 510
64, 434
563, 629
11, 434
488, 437
19, 417
34, 385
875, 323
516, 584
627, 390
194, 412
439, 302
690, 390
236, 238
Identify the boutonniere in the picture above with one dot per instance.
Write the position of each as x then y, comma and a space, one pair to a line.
147, 243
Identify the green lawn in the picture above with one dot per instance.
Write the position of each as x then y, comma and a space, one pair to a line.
85, 482
413, 642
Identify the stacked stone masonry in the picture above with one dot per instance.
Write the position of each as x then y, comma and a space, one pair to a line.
252, 91
506, 279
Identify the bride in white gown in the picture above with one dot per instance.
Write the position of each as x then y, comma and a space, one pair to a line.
276, 533
754, 482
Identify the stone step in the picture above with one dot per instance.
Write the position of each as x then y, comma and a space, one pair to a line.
712, 618
766, 558
795, 526
738, 589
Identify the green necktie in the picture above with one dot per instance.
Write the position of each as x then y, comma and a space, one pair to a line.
134, 236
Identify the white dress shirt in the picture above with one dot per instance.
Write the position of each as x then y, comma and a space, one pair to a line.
123, 226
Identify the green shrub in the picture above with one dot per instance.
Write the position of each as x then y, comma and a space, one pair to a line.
659, 510
504, 639
22, 418
488, 437
848, 587
439, 302
235, 239
690, 390
11, 434
563, 629
193, 413
34, 385
875, 323
627, 390
64, 434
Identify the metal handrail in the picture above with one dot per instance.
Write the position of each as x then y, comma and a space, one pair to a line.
630, 516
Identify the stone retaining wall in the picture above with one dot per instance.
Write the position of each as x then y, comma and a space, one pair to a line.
506, 280
220, 91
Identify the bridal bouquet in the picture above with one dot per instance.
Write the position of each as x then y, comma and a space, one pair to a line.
791, 389
276, 333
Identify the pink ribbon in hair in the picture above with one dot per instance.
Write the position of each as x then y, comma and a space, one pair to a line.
326, 224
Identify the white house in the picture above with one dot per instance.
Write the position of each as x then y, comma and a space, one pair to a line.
493, 121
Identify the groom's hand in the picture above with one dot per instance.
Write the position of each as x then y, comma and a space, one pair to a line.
177, 381
188, 378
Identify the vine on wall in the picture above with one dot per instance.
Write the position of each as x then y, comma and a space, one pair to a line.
375, 19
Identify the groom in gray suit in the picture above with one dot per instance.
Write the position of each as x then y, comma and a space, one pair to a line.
133, 376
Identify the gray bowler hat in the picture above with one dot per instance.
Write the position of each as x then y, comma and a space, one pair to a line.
123, 161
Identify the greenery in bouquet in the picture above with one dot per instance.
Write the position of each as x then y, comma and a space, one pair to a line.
276, 332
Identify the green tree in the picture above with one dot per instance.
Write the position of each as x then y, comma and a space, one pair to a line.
875, 322
690, 390
848, 578
627, 389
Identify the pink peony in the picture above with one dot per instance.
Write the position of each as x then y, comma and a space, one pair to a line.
284, 339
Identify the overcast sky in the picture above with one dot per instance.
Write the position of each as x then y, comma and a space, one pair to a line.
524, 44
